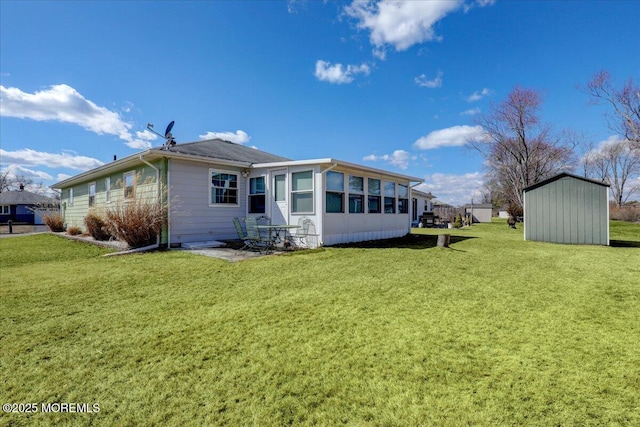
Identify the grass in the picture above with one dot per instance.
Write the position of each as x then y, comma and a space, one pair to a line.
494, 331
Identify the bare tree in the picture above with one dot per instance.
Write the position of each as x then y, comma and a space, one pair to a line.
6, 180
624, 120
518, 149
618, 163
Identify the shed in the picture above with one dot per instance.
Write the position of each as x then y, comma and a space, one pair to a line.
480, 213
567, 209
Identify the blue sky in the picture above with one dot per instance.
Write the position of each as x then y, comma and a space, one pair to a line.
391, 85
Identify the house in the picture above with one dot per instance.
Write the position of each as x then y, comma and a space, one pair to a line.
24, 207
421, 203
567, 209
480, 212
208, 183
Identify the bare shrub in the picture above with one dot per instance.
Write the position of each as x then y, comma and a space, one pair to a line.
137, 222
625, 213
96, 226
55, 222
74, 231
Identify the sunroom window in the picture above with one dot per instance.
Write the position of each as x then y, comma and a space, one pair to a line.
335, 192
403, 198
374, 196
356, 194
389, 197
302, 192
256, 195
224, 188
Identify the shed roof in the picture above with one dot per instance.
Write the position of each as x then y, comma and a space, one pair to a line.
564, 175
24, 198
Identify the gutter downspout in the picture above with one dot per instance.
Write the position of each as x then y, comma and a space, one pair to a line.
157, 245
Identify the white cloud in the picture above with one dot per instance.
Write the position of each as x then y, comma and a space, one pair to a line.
454, 189
28, 157
337, 73
398, 158
62, 177
240, 137
30, 173
401, 24
62, 103
450, 137
471, 112
423, 81
478, 95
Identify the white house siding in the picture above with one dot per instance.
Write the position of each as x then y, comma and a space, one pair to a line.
191, 217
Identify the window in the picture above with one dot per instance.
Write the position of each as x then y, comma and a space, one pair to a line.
92, 194
256, 195
356, 194
280, 182
374, 196
403, 199
129, 185
107, 190
389, 197
335, 192
5, 210
302, 192
224, 188
70, 196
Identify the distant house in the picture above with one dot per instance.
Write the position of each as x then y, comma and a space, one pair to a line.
480, 212
25, 207
208, 183
421, 203
567, 209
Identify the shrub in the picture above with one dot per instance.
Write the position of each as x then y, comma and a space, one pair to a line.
625, 213
97, 227
54, 222
74, 231
458, 221
138, 222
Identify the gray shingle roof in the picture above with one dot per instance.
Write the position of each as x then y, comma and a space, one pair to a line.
225, 150
24, 198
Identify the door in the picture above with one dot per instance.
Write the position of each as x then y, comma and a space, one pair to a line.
279, 197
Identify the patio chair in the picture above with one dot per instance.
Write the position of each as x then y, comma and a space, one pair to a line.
304, 233
255, 238
242, 234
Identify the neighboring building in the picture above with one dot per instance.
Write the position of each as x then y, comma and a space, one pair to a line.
421, 203
480, 212
567, 209
25, 207
208, 183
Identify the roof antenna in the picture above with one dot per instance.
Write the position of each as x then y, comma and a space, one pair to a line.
168, 136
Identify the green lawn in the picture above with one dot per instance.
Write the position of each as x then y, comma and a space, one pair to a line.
494, 331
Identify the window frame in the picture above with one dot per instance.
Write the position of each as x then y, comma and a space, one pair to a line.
295, 192
5, 207
356, 194
107, 189
375, 196
70, 196
403, 199
389, 196
333, 192
129, 194
212, 203
251, 195
91, 194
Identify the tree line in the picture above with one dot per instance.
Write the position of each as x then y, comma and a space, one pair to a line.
520, 149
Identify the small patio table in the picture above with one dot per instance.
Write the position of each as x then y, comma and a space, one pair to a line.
275, 230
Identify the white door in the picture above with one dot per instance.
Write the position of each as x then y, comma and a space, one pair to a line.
279, 197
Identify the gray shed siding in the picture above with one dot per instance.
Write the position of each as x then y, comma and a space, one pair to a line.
567, 210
